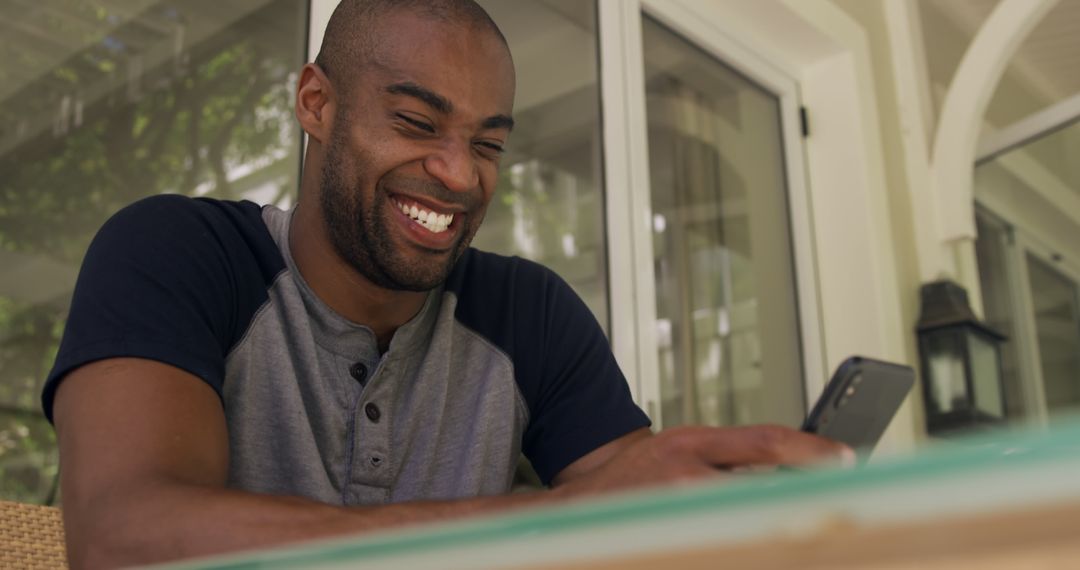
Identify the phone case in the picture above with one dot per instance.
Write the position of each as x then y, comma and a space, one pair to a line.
859, 402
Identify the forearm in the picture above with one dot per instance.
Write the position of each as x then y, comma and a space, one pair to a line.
159, 522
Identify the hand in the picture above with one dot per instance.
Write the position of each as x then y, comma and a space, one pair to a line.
696, 452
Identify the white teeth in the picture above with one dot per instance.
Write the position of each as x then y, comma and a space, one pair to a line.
432, 222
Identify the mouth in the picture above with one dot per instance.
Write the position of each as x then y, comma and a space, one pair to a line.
433, 226
427, 217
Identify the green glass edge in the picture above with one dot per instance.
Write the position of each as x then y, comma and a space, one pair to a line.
972, 454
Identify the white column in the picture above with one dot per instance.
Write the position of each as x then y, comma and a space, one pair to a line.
953, 158
916, 116
628, 200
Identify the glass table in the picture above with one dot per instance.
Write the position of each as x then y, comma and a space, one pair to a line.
963, 501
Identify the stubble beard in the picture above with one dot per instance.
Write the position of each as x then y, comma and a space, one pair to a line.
361, 235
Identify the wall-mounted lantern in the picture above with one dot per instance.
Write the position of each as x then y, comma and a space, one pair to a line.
961, 362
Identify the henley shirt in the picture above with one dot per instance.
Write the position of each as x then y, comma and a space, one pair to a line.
503, 359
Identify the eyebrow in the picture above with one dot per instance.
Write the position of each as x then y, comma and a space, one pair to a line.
498, 122
443, 105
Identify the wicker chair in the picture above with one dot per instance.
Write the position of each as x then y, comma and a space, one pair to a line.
31, 537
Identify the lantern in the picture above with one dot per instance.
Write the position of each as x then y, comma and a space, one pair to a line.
961, 362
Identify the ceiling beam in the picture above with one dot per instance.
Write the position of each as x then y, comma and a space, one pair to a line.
1034, 126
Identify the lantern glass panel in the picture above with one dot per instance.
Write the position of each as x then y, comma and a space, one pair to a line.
986, 374
945, 365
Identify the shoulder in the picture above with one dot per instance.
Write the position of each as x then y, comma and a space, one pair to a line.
484, 275
170, 228
171, 279
497, 294
164, 214
526, 310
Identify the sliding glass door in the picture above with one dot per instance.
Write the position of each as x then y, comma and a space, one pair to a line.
727, 321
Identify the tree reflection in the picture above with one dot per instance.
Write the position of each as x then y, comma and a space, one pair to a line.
212, 119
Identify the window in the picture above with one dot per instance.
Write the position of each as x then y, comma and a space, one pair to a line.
103, 103
992, 252
1057, 323
727, 323
549, 205
1029, 270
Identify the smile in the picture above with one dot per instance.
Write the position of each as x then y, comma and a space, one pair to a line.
430, 220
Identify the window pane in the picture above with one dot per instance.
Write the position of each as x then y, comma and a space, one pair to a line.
104, 102
945, 352
549, 206
727, 319
991, 252
985, 373
1057, 322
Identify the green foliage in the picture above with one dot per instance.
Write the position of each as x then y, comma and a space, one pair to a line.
190, 121
27, 443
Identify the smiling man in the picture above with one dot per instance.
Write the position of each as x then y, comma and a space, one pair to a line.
235, 376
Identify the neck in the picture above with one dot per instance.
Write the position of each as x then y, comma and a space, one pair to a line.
337, 283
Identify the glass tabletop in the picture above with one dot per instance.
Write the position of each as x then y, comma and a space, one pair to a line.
956, 477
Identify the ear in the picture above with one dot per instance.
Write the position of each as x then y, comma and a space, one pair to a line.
315, 102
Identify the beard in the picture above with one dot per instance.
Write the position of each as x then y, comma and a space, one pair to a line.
361, 233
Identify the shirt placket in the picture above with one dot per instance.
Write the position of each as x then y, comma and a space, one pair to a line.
371, 469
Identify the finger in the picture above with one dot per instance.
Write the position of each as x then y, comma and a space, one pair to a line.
703, 473
752, 469
765, 445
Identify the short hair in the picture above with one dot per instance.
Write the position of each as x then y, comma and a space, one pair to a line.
351, 34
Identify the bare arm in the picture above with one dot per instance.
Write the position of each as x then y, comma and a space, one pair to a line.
690, 453
144, 450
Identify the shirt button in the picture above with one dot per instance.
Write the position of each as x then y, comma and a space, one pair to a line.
372, 412
358, 371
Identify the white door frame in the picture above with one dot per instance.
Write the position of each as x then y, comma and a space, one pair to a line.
711, 36
318, 17
627, 201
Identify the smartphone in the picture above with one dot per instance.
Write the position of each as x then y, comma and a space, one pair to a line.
859, 402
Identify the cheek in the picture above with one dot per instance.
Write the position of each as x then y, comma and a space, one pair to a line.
357, 183
489, 181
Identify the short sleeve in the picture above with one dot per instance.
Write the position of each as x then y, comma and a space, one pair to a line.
577, 397
164, 280
580, 400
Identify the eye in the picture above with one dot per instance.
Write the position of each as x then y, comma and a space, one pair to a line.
416, 123
491, 147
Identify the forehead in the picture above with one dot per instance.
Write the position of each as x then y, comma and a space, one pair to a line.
466, 64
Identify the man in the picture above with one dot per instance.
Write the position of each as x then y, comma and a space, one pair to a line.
234, 377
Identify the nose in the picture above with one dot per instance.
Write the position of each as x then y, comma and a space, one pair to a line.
454, 165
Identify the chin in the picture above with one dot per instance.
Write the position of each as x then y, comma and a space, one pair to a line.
417, 274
